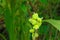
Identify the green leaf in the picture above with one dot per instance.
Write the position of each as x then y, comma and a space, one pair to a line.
24, 8
55, 23
44, 1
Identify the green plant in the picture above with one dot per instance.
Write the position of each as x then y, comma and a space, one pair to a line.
36, 22
16, 14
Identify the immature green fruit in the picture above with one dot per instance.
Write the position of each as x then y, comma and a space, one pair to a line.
36, 27
35, 16
39, 20
39, 24
31, 30
36, 35
32, 21
33, 34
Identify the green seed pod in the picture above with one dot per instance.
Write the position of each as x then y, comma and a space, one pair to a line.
39, 24
33, 34
36, 27
36, 35
31, 30
35, 16
39, 20
32, 21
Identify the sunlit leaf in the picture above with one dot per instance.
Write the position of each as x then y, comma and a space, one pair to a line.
55, 23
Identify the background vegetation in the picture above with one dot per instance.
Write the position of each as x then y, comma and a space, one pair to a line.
14, 15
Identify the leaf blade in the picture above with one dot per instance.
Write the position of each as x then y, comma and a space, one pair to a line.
55, 23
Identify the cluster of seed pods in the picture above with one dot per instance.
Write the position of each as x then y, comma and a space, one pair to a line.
36, 21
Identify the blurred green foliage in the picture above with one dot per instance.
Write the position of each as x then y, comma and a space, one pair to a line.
17, 12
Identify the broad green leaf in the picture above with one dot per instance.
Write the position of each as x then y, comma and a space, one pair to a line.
55, 23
